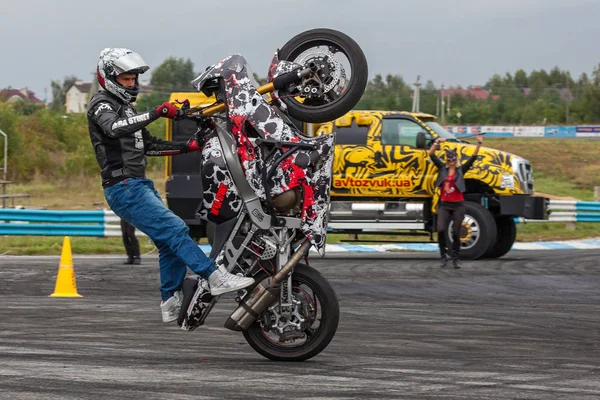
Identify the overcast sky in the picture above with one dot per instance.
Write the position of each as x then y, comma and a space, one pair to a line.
451, 42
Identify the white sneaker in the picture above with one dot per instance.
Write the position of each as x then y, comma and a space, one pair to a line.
170, 308
222, 281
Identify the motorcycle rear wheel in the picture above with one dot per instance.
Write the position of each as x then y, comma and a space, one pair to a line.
328, 41
308, 283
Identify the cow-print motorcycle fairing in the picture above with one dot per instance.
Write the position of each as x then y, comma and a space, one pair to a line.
250, 116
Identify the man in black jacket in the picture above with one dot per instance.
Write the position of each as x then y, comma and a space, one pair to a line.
122, 142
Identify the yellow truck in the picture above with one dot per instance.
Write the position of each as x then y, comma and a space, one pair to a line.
383, 181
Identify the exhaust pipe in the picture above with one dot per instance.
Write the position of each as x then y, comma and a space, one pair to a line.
264, 294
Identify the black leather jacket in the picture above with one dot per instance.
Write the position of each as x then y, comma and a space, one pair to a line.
121, 140
459, 175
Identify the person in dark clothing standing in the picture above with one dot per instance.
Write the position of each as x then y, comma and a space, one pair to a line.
122, 142
451, 207
132, 246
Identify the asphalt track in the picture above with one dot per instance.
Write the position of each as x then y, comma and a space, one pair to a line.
526, 326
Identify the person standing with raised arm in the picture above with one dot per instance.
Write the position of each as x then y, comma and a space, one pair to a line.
451, 207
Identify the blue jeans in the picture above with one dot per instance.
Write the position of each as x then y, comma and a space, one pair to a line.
136, 201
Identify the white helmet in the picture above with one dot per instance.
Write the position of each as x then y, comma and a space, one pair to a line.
113, 62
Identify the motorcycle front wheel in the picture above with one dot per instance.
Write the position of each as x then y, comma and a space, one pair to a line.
339, 82
315, 303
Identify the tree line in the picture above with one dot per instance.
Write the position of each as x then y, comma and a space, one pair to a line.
540, 97
537, 98
49, 145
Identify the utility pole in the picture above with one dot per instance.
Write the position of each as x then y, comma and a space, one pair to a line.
94, 87
417, 96
568, 95
443, 104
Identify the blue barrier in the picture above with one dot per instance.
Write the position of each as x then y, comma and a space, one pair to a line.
59, 223
51, 216
587, 206
587, 218
52, 230
106, 223
571, 211
574, 205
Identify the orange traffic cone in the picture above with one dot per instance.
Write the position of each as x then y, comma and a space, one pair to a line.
65, 281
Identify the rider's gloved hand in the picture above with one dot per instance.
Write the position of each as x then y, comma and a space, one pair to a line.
166, 110
193, 145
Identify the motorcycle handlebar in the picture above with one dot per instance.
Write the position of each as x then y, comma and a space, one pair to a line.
282, 80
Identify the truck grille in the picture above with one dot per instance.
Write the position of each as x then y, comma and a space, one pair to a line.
524, 172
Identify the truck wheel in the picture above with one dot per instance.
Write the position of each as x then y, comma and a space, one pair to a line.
477, 233
505, 238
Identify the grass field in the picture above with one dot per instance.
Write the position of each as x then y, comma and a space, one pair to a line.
563, 168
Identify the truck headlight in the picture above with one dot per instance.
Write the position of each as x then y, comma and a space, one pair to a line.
524, 173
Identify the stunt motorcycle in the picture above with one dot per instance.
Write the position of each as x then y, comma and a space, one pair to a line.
266, 189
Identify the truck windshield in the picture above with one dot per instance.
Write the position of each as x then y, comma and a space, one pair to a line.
441, 131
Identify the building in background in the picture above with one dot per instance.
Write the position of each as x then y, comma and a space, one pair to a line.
80, 93
477, 92
19, 94
77, 97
